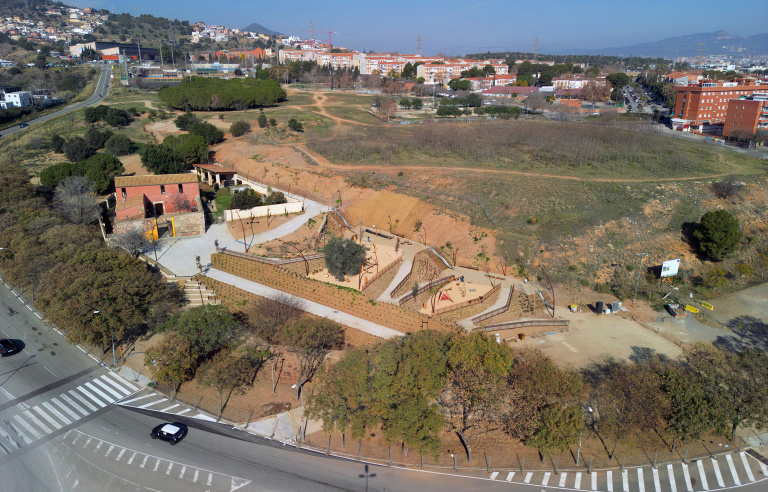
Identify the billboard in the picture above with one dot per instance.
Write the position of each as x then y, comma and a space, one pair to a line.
669, 268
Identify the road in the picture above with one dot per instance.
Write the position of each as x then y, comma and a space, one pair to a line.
104, 80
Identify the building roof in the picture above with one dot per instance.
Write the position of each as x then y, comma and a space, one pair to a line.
510, 90
215, 168
149, 180
130, 202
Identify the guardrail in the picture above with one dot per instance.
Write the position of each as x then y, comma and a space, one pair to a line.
510, 325
382, 272
425, 287
490, 314
467, 303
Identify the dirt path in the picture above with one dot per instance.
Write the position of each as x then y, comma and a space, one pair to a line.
347, 167
319, 103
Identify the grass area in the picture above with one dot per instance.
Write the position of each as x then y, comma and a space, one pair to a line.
223, 199
352, 114
297, 98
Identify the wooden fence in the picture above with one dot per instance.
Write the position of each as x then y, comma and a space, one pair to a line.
511, 325
490, 314
382, 272
469, 302
271, 261
425, 287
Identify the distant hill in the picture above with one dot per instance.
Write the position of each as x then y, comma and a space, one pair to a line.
258, 28
715, 43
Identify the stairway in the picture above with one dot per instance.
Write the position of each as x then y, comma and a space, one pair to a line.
198, 295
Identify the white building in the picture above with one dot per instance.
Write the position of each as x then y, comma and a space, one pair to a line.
19, 99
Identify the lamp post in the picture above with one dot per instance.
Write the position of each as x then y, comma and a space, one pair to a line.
578, 451
640, 268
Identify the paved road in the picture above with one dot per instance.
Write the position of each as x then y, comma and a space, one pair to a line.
104, 79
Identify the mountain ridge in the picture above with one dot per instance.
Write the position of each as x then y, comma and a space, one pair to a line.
258, 28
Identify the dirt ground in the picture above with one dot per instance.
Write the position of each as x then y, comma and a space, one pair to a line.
456, 293
133, 166
247, 228
385, 255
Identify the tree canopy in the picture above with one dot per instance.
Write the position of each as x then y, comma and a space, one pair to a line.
213, 94
343, 257
206, 327
718, 234
101, 169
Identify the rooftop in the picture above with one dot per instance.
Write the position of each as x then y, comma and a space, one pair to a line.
215, 168
160, 179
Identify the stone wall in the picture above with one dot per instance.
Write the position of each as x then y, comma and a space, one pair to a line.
191, 224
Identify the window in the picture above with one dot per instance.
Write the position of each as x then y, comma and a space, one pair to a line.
181, 188
162, 189
125, 195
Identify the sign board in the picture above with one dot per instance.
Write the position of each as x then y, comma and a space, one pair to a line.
692, 309
669, 268
707, 305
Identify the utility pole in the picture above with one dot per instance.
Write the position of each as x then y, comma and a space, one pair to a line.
642, 257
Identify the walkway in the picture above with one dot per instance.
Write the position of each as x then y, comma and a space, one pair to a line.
178, 254
309, 306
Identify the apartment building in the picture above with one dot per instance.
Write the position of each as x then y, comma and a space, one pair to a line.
10, 98
438, 72
746, 116
572, 82
706, 102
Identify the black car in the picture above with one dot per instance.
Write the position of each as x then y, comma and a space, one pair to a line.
23, 125
172, 433
7, 347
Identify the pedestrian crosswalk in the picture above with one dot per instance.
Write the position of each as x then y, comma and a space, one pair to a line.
157, 402
84, 446
712, 473
25, 423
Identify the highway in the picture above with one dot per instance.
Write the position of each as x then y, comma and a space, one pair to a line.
104, 79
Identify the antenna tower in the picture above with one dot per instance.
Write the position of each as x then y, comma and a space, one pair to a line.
701, 55
536, 48
418, 45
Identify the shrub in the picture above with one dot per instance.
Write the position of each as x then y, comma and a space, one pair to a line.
240, 128
57, 143
295, 125
111, 116
76, 149
262, 121
96, 138
118, 145
718, 234
245, 200
209, 132
272, 122
186, 121
275, 198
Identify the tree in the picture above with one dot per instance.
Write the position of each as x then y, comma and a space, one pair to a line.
75, 200
343, 257
446, 110
272, 122
76, 149
559, 426
310, 340
171, 361
100, 169
618, 81
405, 103
295, 125
718, 234
388, 108
245, 200
96, 138
473, 400
161, 159
416, 103
262, 120
208, 328
118, 145
227, 374
190, 148
275, 198
536, 101
460, 84
57, 144
134, 241
594, 91
208, 131
186, 121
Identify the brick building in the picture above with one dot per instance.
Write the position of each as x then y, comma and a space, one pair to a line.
746, 116
706, 102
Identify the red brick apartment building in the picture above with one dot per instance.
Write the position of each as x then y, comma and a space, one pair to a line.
746, 117
706, 102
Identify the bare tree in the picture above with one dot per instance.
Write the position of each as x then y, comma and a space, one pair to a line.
76, 201
134, 241
536, 101
180, 202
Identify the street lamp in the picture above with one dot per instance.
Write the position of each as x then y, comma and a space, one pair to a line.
640, 268
578, 451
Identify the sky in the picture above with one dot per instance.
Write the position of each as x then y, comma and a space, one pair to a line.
459, 27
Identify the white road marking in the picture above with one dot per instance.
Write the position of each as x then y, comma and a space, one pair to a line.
702, 475
718, 475
56, 413
609, 480
82, 400
28, 427
493, 475
40, 412
562, 479
526, 480
130, 460
656, 482
764, 469
87, 442
66, 409
750, 476
93, 398
183, 469
77, 438
98, 446
170, 465
545, 479
109, 450
122, 452
100, 393
152, 403
74, 405
119, 387
687, 477
640, 481
157, 464
733, 469
196, 472
9, 438
625, 480
144, 462
135, 399
210, 478
172, 406
101, 384
183, 411
509, 476
594, 480
123, 381
577, 483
